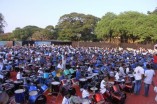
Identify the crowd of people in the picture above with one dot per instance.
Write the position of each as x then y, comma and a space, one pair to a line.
57, 63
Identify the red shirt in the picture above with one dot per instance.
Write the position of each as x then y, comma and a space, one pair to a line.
155, 59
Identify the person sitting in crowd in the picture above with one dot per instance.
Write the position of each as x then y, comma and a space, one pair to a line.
78, 73
85, 93
66, 98
90, 69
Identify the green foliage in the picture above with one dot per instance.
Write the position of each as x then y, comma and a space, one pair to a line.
104, 29
25, 33
130, 26
70, 25
127, 26
44, 34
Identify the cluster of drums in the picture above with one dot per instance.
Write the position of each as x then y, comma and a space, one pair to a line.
115, 89
31, 94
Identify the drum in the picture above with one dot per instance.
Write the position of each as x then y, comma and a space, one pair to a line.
17, 84
66, 72
54, 73
71, 71
32, 88
4, 98
59, 73
43, 88
120, 81
46, 75
89, 79
95, 74
61, 78
33, 96
86, 101
9, 88
9, 81
106, 95
82, 82
95, 71
40, 79
55, 86
19, 96
98, 98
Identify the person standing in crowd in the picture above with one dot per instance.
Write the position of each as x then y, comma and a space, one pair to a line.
149, 73
1, 64
138, 74
155, 61
85, 93
103, 85
121, 70
19, 75
78, 73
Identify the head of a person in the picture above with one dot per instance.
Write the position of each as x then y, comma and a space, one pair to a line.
67, 94
106, 78
148, 66
85, 87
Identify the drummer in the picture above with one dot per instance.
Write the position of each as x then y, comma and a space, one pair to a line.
78, 73
90, 69
66, 99
19, 75
85, 93
103, 85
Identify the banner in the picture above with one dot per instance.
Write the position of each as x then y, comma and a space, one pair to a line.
42, 43
6, 43
17, 43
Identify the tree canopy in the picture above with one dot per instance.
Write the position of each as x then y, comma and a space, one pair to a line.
129, 26
70, 25
2, 23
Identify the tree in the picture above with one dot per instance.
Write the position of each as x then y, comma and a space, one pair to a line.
25, 33
70, 25
125, 25
2, 23
153, 12
6, 37
104, 29
44, 34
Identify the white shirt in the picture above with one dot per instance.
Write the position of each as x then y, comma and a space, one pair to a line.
117, 76
85, 93
149, 76
102, 87
1, 66
89, 69
138, 72
60, 66
19, 75
121, 71
127, 70
1, 76
65, 100
102, 84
